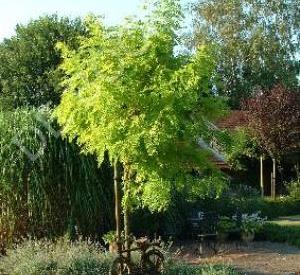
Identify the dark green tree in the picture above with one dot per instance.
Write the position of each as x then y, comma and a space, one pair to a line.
256, 41
29, 60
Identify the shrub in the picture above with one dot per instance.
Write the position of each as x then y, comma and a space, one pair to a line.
174, 220
270, 208
285, 206
293, 189
226, 225
62, 257
251, 223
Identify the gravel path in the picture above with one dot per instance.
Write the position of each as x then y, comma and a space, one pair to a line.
258, 258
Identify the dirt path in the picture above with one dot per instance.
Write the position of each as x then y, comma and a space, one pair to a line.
258, 258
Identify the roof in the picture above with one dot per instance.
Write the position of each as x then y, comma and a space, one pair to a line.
233, 120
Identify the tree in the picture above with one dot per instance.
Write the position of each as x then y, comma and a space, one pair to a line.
257, 43
128, 93
274, 120
28, 75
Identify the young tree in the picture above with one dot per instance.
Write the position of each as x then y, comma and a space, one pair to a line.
29, 59
257, 43
127, 93
274, 119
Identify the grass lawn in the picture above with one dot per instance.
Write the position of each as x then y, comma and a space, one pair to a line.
284, 229
288, 221
294, 217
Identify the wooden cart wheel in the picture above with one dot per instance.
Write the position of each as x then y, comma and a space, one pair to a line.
152, 262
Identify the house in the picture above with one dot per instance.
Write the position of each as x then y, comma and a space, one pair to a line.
255, 174
231, 122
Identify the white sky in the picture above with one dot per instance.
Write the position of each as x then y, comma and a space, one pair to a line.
21, 11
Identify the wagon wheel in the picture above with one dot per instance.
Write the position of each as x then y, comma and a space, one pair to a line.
120, 266
152, 262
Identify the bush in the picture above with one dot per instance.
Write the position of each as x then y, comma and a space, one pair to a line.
293, 189
174, 220
270, 208
281, 233
285, 206
62, 257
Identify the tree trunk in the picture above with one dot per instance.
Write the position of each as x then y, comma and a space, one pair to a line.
297, 171
261, 176
273, 181
117, 200
126, 209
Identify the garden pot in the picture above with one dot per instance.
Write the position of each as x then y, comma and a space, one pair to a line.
113, 247
248, 236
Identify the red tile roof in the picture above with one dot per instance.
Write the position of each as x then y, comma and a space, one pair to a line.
233, 120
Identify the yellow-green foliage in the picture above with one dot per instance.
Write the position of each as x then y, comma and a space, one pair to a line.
128, 93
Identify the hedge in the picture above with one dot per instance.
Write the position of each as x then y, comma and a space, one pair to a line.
173, 221
268, 207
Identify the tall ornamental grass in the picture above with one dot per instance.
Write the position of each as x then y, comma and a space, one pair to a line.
46, 186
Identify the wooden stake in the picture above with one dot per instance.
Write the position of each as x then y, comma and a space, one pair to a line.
117, 201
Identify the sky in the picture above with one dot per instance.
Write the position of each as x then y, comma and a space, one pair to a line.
13, 12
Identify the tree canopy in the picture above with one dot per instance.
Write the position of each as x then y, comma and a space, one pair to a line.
29, 59
274, 120
257, 43
128, 93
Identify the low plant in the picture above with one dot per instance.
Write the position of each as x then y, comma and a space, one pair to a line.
293, 189
251, 223
109, 237
226, 225
242, 191
55, 258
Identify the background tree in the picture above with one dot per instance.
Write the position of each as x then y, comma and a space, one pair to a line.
274, 120
128, 93
257, 42
28, 75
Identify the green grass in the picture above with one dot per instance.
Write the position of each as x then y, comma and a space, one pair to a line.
287, 223
293, 217
284, 229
